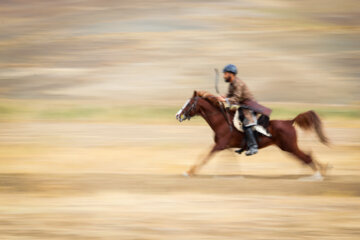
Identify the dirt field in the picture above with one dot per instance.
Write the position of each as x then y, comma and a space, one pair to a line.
114, 181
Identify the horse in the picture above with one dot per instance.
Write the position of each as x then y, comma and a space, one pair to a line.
283, 133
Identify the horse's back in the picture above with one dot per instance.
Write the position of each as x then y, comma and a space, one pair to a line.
277, 127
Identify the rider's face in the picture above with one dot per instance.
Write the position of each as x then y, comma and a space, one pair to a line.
228, 76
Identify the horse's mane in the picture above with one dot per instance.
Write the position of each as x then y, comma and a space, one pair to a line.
212, 99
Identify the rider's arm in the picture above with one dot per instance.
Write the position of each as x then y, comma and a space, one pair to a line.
237, 95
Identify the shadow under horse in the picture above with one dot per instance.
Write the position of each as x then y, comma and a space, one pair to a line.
283, 133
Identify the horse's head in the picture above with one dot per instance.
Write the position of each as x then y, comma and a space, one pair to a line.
189, 109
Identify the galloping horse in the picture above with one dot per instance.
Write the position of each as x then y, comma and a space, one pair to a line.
282, 132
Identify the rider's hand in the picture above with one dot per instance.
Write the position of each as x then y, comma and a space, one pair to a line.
221, 99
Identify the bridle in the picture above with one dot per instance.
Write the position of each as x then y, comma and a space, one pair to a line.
185, 114
181, 116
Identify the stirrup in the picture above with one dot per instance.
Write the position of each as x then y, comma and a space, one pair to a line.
239, 151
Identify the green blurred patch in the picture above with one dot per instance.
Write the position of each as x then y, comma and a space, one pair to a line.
28, 111
72, 113
327, 112
136, 114
13, 111
6, 110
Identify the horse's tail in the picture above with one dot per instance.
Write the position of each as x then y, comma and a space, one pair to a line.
310, 120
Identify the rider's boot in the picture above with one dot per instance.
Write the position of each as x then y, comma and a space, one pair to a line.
251, 141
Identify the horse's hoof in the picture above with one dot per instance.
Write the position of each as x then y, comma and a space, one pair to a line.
311, 179
317, 177
325, 168
231, 177
185, 174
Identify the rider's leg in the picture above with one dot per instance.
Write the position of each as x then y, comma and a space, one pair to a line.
251, 141
249, 121
241, 119
249, 117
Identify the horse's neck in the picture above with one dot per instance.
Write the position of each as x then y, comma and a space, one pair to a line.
212, 115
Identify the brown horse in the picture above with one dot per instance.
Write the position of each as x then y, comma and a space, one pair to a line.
282, 132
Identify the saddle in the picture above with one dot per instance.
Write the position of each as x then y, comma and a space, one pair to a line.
262, 118
260, 127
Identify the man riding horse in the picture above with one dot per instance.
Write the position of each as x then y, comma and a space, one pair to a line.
281, 133
239, 94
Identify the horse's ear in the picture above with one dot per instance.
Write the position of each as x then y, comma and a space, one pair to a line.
195, 93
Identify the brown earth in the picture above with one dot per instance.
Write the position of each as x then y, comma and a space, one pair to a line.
113, 181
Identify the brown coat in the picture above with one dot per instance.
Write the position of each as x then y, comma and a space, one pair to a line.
239, 92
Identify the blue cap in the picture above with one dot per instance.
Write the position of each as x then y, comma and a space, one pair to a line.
230, 68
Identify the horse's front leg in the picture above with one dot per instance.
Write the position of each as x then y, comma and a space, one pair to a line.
196, 167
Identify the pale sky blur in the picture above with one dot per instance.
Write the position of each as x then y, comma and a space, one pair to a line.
159, 51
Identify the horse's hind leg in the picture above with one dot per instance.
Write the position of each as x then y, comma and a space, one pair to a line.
317, 167
305, 158
289, 144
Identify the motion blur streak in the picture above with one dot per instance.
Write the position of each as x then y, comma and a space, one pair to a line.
90, 149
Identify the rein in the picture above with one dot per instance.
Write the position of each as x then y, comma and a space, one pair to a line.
223, 111
186, 114
225, 114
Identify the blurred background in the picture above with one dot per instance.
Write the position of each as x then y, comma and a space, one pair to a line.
90, 148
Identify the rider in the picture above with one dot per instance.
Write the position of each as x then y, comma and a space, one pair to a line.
238, 93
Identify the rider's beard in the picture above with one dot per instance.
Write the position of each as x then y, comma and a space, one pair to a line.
227, 79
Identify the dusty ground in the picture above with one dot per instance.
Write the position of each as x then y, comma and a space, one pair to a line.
113, 181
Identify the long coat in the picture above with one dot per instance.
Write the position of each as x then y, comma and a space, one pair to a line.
239, 93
